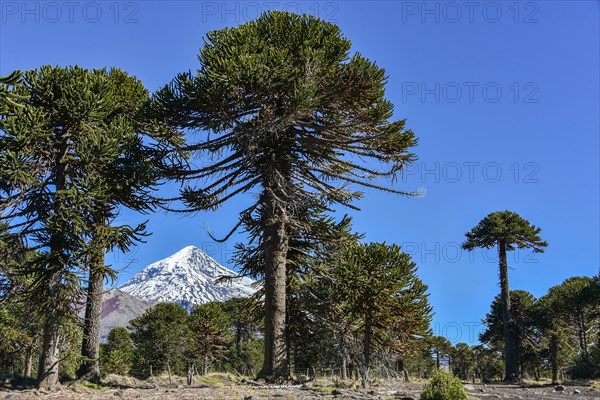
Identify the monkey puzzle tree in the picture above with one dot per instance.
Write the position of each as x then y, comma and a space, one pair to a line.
130, 154
67, 156
439, 347
507, 231
462, 361
117, 353
554, 331
575, 305
210, 330
289, 111
161, 337
378, 290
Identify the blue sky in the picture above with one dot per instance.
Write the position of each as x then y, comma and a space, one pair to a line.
504, 97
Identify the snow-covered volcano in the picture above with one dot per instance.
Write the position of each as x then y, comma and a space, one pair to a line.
187, 278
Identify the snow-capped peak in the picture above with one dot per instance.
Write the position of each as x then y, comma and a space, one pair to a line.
186, 277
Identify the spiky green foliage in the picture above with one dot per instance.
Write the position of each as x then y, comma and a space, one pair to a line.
20, 332
488, 363
293, 115
574, 303
244, 318
117, 353
379, 292
462, 361
508, 227
72, 153
283, 95
444, 386
438, 347
161, 338
556, 339
210, 332
9, 98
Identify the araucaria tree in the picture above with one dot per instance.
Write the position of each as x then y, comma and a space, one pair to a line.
71, 154
131, 151
378, 290
161, 337
507, 231
210, 330
289, 111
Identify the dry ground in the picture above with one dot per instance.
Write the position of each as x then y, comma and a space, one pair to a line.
220, 387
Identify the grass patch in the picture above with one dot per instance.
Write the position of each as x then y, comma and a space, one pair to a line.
218, 379
323, 389
88, 385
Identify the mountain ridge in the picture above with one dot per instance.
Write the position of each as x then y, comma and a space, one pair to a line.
186, 277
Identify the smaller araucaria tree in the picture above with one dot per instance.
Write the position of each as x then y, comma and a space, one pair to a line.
507, 231
117, 354
210, 331
377, 288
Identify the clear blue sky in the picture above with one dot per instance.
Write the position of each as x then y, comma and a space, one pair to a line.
503, 96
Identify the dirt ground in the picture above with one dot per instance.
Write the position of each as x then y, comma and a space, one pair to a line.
318, 390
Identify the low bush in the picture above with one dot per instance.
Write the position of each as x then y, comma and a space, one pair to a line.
444, 386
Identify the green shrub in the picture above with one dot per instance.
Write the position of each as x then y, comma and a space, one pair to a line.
444, 386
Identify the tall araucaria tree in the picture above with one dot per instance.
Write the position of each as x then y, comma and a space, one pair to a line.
507, 231
130, 155
56, 148
290, 114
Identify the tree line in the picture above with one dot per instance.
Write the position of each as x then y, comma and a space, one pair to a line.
556, 336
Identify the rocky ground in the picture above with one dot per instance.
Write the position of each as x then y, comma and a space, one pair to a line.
322, 389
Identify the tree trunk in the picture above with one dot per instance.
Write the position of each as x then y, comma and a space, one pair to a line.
366, 381
190, 373
554, 357
344, 357
511, 362
582, 333
28, 361
275, 368
48, 367
238, 340
90, 348
344, 368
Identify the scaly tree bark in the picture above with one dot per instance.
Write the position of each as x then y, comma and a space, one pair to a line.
510, 343
289, 111
507, 231
90, 348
